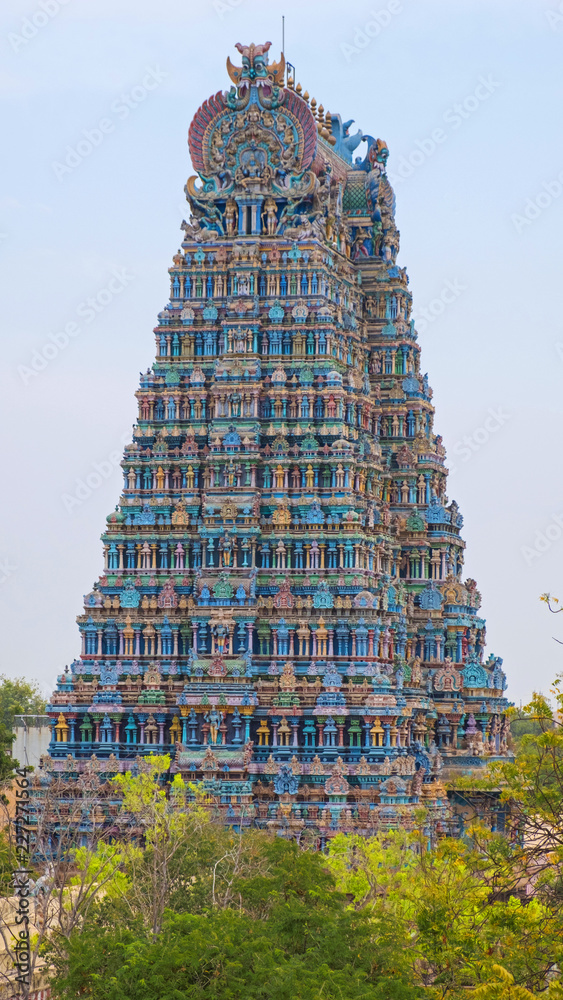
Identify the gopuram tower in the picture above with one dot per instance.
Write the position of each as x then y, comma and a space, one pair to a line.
282, 608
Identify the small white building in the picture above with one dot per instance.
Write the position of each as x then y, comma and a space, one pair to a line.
33, 735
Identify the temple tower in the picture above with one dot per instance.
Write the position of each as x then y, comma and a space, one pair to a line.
282, 605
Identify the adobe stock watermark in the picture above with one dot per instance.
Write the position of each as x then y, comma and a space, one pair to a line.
453, 118
424, 315
7, 569
536, 206
32, 25
87, 311
555, 17
100, 472
470, 444
120, 109
377, 20
543, 540
222, 7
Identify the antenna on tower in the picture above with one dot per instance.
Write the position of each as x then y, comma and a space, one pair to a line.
283, 34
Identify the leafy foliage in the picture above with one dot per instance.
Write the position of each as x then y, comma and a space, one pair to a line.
459, 932
523, 724
292, 936
197, 911
377, 919
19, 697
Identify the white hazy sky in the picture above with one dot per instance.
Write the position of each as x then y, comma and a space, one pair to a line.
496, 346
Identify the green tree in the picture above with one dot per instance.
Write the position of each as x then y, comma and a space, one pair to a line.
291, 936
523, 724
532, 787
377, 919
200, 911
19, 697
438, 922
163, 827
7, 762
174, 855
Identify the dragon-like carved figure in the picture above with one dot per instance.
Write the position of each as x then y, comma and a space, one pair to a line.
255, 65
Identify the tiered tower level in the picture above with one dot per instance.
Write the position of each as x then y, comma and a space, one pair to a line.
282, 606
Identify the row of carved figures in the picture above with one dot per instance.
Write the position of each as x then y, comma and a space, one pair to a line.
423, 562
201, 342
414, 490
274, 283
300, 405
215, 728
